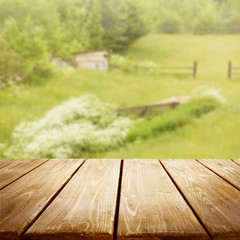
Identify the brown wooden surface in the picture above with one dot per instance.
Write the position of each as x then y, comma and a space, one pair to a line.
4, 162
16, 169
22, 201
216, 202
225, 168
151, 205
146, 199
85, 209
164, 104
237, 161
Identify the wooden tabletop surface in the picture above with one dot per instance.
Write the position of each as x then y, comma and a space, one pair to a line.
70, 199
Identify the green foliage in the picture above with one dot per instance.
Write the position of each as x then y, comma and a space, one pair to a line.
172, 119
213, 135
135, 25
206, 23
30, 49
114, 23
78, 125
94, 26
42, 31
171, 23
9, 63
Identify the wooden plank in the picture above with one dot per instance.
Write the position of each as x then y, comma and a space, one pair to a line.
163, 68
151, 67
225, 168
167, 103
237, 161
216, 202
5, 161
151, 206
23, 200
17, 169
85, 209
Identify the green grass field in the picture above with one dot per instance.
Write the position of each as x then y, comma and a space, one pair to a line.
216, 134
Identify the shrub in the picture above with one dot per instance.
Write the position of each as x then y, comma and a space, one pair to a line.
173, 119
78, 125
171, 23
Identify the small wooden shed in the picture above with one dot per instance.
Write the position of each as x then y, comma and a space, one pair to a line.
93, 60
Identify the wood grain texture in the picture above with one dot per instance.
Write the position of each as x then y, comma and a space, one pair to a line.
225, 168
216, 202
5, 161
85, 209
237, 161
22, 201
18, 168
151, 206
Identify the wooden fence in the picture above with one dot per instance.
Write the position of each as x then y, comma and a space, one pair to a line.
192, 70
233, 71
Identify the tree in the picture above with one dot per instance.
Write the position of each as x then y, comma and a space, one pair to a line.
31, 49
94, 24
9, 63
135, 26
114, 23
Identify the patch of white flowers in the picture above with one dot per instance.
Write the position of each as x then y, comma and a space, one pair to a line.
78, 125
209, 91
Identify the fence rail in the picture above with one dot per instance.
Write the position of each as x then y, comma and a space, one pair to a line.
192, 73
233, 71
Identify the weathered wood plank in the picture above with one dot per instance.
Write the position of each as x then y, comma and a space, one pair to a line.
85, 209
142, 109
216, 202
225, 168
237, 161
151, 206
5, 161
17, 169
23, 200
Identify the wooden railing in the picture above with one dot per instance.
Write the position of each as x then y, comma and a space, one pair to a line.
175, 70
233, 71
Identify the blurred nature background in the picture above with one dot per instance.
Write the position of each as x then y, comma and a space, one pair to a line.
50, 108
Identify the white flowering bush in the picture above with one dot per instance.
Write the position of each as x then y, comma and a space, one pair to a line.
77, 126
209, 91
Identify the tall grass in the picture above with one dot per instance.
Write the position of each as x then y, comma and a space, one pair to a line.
172, 119
213, 135
85, 125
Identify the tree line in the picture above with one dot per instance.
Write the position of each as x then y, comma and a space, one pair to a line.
32, 33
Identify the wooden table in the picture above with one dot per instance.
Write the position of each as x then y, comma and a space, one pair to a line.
120, 199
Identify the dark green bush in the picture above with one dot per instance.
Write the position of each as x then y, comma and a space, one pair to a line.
172, 119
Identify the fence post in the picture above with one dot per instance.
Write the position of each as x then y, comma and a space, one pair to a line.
229, 69
195, 64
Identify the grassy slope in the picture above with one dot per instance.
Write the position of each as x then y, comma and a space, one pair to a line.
214, 135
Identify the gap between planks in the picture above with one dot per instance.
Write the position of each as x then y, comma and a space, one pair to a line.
118, 201
22, 174
218, 174
187, 202
118, 198
50, 201
115, 224
214, 200
235, 161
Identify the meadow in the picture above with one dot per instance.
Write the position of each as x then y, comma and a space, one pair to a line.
214, 135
